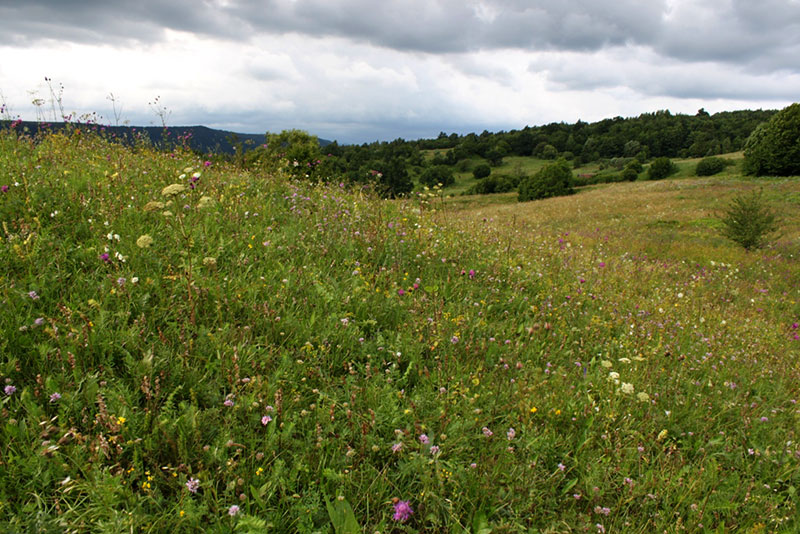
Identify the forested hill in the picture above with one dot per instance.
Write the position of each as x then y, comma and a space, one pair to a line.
658, 134
199, 138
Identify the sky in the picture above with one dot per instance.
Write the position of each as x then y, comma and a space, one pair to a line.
361, 70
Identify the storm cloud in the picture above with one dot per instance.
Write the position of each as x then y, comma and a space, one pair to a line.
365, 67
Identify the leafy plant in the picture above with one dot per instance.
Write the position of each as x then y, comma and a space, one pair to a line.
660, 168
552, 180
773, 148
710, 166
748, 221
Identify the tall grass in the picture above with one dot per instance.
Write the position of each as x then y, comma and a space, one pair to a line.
284, 356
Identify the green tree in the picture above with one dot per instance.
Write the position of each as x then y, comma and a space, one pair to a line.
749, 222
438, 174
773, 148
709, 166
481, 170
660, 168
552, 180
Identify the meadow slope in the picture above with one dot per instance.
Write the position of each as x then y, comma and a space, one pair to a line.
187, 346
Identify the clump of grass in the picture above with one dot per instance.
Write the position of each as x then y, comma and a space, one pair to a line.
187, 347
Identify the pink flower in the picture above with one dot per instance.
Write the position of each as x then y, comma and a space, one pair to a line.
233, 510
486, 432
397, 447
401, 292
265, 420
402, 511
471, 273
192, 485
423, 438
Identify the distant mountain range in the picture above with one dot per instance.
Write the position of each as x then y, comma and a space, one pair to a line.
200, 138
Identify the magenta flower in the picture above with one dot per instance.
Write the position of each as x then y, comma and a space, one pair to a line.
401, 292
402, 511
471, 273
4, 189
105, 257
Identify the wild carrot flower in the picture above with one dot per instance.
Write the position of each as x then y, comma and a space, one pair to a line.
173, 190
144, 241
402, 511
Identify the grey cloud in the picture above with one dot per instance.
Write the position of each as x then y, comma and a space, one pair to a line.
736, 31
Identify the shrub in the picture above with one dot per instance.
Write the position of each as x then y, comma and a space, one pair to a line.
438, 174
481, 171
660, 168
774, 147
748, 221
551, 181
630, 174
493, 184
709, 166
636, 165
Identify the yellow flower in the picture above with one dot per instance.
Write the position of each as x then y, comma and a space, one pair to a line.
121, 420
662, 435
534, 409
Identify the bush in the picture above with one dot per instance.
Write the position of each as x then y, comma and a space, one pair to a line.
438, 174
636, 165
630, 174
481, 171
661, 168
774, 147
493, 184
748, 221
551, 181
710, 166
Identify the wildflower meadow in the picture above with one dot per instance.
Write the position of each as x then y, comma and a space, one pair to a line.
186, 346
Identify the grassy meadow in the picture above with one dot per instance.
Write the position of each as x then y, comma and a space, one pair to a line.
190, 347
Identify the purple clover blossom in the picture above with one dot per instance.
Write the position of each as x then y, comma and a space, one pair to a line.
233, 510
105, 257
423, 438
397, 447
9, 390
486, 432
4, 189
402, 511
121, 281
511, 434
434, 450
39, 321
228, 402
55, 397
192, 485
265, 420
33, 295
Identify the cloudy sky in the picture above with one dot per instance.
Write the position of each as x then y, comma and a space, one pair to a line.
361, 70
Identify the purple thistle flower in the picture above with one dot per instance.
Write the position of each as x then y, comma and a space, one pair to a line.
402, 511
4, 189
105, 257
